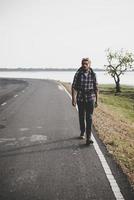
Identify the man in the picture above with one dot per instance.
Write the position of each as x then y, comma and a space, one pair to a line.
85, 94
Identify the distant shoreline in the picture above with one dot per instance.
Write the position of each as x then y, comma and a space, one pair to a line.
48, 69
45, 69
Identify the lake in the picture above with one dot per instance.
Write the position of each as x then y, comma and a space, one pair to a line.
67, 76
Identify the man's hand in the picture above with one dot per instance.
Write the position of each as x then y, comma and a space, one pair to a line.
96, 104
74, 102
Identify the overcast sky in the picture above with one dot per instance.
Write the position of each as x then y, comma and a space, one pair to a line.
58, 33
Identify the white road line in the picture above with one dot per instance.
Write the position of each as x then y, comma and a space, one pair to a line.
24, 129
39, 127
114, 186
60, 88
6, 139
15, 95
3, 103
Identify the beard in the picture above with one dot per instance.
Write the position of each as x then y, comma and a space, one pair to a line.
86, 69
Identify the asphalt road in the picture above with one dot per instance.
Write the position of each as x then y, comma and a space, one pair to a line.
41, 157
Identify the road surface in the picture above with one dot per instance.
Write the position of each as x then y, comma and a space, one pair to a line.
41, 157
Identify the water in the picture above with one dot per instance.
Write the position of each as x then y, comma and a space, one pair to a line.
67, 76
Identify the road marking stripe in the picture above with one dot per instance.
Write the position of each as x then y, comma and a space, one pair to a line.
16, 95
3, 103
60, 88
114, 186
24, 129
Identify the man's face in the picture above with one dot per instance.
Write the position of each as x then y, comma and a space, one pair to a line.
86, 65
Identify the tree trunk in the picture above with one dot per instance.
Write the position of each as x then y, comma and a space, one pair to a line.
118, 88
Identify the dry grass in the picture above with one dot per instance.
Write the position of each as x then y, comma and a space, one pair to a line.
116, 131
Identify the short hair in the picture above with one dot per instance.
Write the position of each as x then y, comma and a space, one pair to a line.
85, 59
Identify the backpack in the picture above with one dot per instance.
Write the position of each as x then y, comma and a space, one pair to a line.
78, 81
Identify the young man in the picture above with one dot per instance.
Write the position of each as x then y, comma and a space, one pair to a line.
84, 93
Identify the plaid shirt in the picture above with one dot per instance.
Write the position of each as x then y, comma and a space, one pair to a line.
88, 85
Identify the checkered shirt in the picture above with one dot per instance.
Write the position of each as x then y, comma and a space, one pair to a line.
88, 86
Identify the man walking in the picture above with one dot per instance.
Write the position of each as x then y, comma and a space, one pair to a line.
84, 93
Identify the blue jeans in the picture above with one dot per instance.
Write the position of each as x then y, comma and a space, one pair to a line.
85, 108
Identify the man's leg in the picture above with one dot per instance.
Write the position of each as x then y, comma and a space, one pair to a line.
89, 114
81, 112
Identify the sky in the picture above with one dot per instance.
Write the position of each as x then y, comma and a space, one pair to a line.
59, 33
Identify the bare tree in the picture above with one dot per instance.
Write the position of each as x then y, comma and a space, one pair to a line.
118, 63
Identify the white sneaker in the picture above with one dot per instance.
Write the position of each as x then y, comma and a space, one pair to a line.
82, 137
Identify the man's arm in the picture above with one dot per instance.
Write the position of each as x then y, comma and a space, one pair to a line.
96, 91
96, 98
74, 90
74, 93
